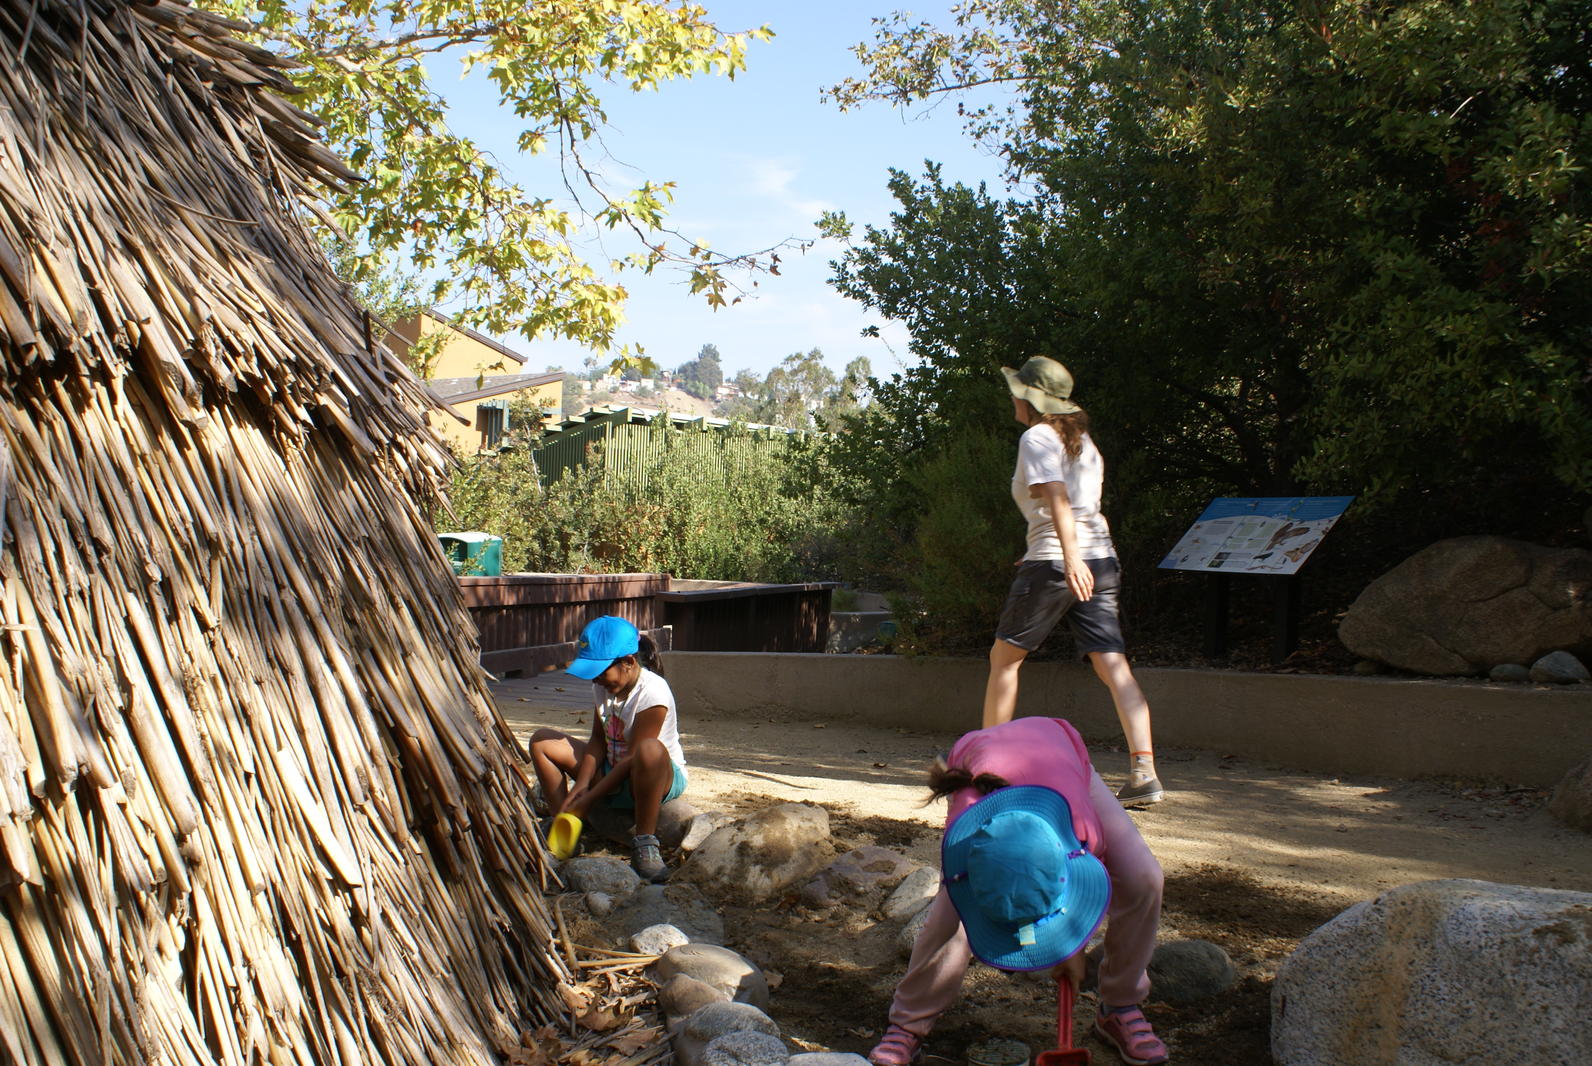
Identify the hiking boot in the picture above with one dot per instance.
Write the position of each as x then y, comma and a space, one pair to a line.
1129, 1032
1146, 792
646, 858
896, 1048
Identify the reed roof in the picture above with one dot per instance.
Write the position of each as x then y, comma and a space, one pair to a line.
255, 802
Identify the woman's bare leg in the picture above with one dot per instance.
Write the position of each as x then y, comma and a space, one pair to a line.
1000, 692
1133, 713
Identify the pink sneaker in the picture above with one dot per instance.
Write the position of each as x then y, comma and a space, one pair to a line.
1130, 1033
896, 1048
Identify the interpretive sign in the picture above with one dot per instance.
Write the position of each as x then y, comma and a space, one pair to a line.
1256, 534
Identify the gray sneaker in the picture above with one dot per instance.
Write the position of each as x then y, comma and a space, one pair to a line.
1142, 794
646, 858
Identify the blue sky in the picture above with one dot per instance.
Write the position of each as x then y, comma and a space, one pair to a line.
756, 160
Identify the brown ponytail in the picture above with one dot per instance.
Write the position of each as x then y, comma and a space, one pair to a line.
648, 655
944, 780
1071, 429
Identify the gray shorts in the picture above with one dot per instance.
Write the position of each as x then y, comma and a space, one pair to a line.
1040, 598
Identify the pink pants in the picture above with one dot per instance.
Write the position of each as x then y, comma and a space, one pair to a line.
941, 953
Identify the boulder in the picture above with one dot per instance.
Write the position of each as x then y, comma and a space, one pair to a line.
706, 1024
1509, 672
674, 819
1559, 668
682, 906
1463, 973
683, 995
703, 826
858, 876
763, 855
1183, 972
600, 873
716, 967
916, 891
745, 1048
1571, 801
1462, 606
657, 939
827, 1058
908, 936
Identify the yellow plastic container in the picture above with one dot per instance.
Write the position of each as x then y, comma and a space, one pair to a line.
564, 836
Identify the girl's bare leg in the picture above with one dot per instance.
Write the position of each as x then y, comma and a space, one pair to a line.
554, 756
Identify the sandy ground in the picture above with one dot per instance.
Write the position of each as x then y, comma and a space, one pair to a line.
1255, 857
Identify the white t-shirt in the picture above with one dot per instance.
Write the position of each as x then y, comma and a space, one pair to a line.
1041, 457
618, 716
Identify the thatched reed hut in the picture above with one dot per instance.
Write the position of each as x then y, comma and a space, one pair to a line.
255, 802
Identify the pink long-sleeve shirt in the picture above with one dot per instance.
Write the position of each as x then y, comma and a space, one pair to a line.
1031, 751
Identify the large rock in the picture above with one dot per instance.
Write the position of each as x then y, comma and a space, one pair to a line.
745, 1048
1458, 973
1559, 668
1571, 801
600, 873
1183, 972
706, 1024
682, 906
1463, 606
761, 856
858, 877
682, 995
674, 819
717, 967
916, 891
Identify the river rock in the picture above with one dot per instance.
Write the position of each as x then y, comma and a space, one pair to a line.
857, 876
674, 819
717, 967
1571, 801
657, 939
600, 873
761, 856
683, 995
1183, 972
703, 826
1462, 973
680, 905
1513, 673
916, 891
706, 1024
1462, 606
745, 1049
908, 936
1559, 668
827, 1058
599, 904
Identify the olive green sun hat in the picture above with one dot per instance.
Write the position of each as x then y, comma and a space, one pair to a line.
1044, 383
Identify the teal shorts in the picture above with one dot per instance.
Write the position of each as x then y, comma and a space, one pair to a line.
622, 797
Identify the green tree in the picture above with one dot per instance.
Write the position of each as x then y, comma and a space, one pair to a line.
702, 375
795, 390
433, 202
1337, 247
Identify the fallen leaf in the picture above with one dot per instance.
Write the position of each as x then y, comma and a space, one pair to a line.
598, 1019
880, 765
818, 725
633, 1040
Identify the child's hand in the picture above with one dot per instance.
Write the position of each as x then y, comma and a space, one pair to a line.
1071, 968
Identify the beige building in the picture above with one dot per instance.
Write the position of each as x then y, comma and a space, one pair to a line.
478, 378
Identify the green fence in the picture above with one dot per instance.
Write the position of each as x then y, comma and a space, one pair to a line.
630, 442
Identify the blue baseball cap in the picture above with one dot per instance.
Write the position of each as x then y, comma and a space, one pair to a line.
601, 642
1028, 893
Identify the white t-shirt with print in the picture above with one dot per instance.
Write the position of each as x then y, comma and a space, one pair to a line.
618, 716
1041, 457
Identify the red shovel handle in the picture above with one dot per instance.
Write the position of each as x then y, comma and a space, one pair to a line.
1065, 1054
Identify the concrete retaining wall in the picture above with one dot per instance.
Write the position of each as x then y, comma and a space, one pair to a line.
1518, 734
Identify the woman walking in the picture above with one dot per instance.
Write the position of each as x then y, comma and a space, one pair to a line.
1070, 567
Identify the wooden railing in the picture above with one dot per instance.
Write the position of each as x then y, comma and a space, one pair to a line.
529, 622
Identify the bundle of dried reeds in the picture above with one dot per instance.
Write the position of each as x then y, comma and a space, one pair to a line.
255, 802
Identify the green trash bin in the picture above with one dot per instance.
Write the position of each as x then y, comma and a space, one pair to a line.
473, 554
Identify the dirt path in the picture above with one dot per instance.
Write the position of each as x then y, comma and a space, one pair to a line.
1255, 858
